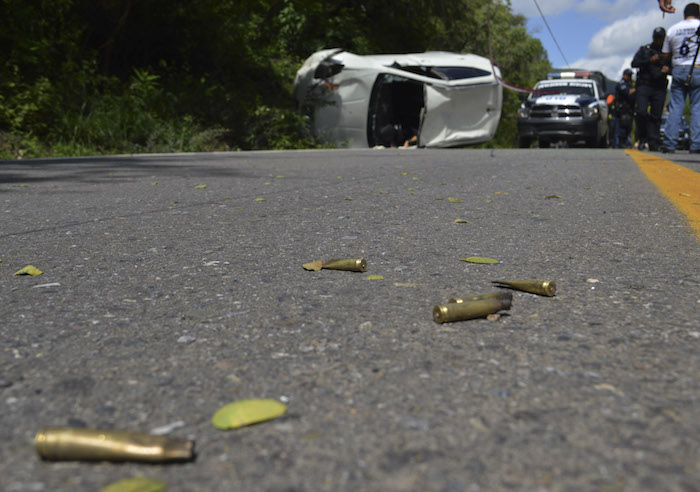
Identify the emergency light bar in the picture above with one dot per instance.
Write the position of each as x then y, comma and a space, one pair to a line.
568, 75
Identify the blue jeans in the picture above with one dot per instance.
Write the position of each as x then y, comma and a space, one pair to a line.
679, 93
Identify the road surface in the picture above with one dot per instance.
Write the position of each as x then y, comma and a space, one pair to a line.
173, 285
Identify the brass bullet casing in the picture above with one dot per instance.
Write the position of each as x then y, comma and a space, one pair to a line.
540, 287
490, 295
446, 313
70, 443
349, 264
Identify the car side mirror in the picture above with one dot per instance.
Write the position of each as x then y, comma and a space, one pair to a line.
523, 96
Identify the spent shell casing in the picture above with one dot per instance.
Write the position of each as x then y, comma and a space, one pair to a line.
446, 313
541, 287
490, 295
71, 443
349, 264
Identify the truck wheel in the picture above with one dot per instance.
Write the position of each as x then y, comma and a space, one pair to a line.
594, 142
524, 143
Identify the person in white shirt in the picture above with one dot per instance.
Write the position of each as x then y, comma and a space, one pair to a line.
681, 47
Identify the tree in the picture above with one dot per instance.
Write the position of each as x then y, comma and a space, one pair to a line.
125, 76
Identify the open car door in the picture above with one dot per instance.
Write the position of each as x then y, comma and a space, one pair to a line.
460, 114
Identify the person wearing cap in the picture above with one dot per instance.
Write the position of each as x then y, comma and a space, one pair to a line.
652, 79
681, 48
624, 110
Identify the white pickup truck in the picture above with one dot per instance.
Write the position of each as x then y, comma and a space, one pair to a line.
564, 108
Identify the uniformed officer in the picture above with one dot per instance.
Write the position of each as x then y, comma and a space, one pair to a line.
652, 80
624, 109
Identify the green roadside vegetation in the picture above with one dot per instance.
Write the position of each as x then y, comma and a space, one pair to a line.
89, 77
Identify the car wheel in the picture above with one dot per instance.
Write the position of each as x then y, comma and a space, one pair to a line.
593, 142
544, 143
603, 141
524, 143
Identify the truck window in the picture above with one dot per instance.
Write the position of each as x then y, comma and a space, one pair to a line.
575, 89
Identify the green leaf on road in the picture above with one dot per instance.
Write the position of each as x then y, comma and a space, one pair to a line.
454, 200
29, 270
247, 412
138, 484
374, 277
259, 199
461, 221
200, 187
479, 259
549, 197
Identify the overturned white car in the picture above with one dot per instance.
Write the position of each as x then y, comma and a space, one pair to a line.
434, 99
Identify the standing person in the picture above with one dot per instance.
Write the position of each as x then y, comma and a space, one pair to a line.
652, 79
681, 47
624, 110
612, 122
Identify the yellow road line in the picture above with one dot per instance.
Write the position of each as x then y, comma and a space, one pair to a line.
677, 183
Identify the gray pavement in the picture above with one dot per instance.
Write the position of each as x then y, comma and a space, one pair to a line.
160, 302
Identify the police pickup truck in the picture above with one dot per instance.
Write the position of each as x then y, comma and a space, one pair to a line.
569, 107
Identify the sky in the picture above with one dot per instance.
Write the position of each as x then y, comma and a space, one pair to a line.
599, 35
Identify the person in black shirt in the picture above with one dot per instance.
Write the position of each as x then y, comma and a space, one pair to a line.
652, 80
624, 109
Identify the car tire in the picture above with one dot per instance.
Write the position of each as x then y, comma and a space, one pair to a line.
594, 142
603, 141
544, 143
524, 142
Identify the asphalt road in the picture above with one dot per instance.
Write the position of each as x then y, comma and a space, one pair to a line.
161, 302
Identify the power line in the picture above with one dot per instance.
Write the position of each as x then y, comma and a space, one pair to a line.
552, 34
